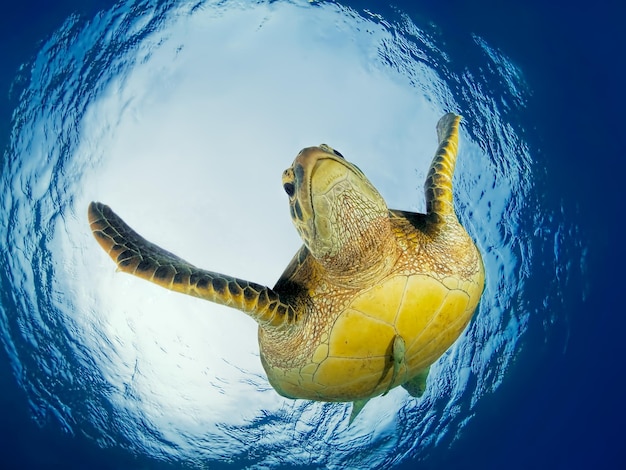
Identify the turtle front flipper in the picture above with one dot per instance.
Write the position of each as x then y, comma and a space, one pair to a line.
438, 185
135, 255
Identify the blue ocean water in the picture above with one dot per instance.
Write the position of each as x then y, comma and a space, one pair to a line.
102, 372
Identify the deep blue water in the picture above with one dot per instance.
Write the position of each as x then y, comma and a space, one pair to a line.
548, 395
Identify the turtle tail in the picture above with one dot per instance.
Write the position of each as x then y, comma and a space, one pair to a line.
438, 185
135, 255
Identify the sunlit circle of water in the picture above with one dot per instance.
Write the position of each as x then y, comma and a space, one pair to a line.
182, 118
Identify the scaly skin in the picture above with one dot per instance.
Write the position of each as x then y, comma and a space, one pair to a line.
369, 302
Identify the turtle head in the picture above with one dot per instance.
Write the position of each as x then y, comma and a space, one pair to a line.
342, 219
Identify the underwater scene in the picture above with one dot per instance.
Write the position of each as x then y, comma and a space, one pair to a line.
183, 115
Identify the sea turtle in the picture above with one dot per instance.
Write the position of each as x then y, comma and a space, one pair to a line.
369, 302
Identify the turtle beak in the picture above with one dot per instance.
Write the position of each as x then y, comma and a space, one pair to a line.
298, 181
292, 185
297, 188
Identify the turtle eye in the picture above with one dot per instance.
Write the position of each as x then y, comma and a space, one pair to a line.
289, 189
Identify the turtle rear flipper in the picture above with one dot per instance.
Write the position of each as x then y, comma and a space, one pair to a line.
417, 385
357, 406
135, 255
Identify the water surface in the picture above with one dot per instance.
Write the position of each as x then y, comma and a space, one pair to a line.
182, 117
